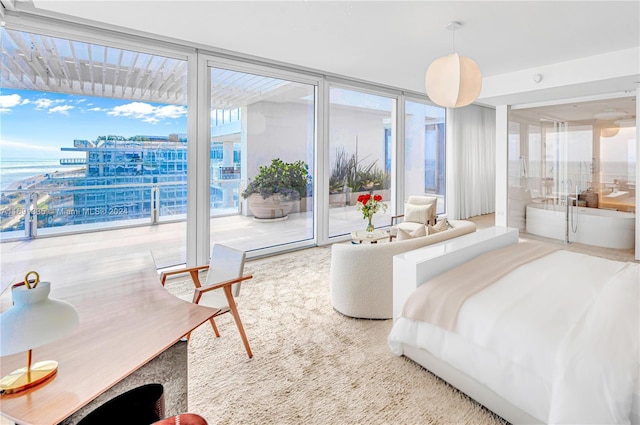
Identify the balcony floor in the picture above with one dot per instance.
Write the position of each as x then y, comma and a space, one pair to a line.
166, 241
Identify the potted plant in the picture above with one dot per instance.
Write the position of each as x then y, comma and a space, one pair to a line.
350, 178
276, 187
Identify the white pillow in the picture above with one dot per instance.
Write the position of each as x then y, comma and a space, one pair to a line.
440, 226
418, 233
419, 213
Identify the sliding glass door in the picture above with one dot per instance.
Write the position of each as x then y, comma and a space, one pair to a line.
93, 139
362, 131
262, 144
579, 155
424, 151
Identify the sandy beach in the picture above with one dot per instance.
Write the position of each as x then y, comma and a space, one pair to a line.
33, 182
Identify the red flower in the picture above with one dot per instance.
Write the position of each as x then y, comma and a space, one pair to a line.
370, 204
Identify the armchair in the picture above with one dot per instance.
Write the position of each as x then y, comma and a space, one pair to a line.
418, 211
225, 274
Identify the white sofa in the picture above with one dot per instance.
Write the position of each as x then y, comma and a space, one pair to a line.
361, 276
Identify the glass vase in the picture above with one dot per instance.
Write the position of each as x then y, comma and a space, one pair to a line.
370, 227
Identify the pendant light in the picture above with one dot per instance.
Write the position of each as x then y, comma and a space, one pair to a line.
606, 121
453, 81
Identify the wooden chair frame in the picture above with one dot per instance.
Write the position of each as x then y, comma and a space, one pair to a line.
226, 287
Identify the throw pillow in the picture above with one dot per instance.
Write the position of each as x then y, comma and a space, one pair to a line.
418, 233
440, 226
418, 213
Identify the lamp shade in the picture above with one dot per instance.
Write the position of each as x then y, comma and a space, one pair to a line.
608, 128
453, 81
34, 319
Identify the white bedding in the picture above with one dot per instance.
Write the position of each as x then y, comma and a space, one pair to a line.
557, 337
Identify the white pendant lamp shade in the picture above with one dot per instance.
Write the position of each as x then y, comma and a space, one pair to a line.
453, 81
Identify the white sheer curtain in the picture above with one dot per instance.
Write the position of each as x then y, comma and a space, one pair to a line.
472, 152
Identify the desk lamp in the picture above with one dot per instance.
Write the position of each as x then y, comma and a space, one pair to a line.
33, 320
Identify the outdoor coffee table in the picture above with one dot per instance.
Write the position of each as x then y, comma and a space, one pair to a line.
360, 236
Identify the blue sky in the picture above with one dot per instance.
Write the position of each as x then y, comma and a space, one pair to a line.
35, 125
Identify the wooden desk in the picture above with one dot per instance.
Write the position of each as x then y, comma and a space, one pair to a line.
126, 320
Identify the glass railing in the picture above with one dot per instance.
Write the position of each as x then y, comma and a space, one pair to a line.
40, 211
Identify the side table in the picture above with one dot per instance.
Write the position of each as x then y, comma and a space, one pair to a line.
360, 236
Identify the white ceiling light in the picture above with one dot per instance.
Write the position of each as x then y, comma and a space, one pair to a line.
608, 128
453, 81
610, 114
626, 122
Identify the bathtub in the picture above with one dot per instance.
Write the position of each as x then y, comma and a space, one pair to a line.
599, 227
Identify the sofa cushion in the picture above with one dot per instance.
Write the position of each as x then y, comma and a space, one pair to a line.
419, 213
418, 233
422, 200
407, 226
440, 226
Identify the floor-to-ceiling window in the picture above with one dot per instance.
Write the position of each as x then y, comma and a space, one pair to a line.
93, 138
424, 151
264, 128
99, 149
362, 129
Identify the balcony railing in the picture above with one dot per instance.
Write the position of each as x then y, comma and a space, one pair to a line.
26, 213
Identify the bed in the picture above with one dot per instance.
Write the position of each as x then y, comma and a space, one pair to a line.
535, 333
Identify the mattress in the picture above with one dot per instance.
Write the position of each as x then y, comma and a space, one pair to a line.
554, 337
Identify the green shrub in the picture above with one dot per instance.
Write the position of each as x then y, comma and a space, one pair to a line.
349, 171
288, 179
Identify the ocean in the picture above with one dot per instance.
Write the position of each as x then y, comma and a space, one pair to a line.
13, 170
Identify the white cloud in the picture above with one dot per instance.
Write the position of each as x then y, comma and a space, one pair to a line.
151, 120
64, 109
135, 109
97, 109
9, 101
171, 111
43, 103
5, 109
148, 113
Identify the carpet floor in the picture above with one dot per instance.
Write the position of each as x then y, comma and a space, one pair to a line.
311, 364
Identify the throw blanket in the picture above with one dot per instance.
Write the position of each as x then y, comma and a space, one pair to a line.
438, 300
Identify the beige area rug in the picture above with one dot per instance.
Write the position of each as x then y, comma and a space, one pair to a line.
311, 364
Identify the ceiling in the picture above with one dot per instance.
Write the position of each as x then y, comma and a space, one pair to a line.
610, 110
390, 43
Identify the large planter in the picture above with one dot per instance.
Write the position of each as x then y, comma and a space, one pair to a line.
273, 207
338, 199
303, 205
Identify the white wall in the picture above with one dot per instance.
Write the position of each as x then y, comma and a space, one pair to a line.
367, 126
277, 130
